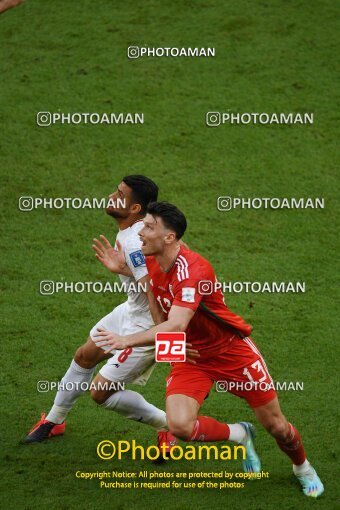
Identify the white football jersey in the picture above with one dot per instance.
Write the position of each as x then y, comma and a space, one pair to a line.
137, 301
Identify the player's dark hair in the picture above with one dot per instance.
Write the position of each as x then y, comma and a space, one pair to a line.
144, 190
171, 216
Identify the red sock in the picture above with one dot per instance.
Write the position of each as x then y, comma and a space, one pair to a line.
293, 446
208, 429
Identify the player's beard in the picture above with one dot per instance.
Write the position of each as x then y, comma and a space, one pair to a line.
116, 213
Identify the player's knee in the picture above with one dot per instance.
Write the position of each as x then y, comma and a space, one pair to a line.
82, 359
278, 428
181, 429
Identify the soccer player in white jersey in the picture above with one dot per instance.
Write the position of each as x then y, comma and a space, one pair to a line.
132, 316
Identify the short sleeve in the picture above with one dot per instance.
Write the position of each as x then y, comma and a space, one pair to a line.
186, 293
135, 259
186, 282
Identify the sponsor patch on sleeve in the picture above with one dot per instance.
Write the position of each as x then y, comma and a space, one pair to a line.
188, 294
137, 258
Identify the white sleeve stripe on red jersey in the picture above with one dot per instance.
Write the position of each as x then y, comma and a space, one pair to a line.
184, 260
182, 269
179, 271
185, 263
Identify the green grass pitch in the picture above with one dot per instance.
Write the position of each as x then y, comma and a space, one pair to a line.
277, 56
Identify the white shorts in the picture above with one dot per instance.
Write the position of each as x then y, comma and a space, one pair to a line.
132, 365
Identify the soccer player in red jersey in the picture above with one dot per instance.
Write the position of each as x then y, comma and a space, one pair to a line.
227, 353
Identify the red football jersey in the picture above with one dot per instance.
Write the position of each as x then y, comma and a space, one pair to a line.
214, 326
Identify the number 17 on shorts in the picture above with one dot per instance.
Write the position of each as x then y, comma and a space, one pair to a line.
170, 347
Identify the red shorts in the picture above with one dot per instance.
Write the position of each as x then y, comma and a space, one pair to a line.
241, 371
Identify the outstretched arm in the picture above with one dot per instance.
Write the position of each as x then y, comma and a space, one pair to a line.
113, 259
178, 320
8, 4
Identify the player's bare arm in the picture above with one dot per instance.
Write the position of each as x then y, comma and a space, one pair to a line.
178, 320
8, 4
112, 258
